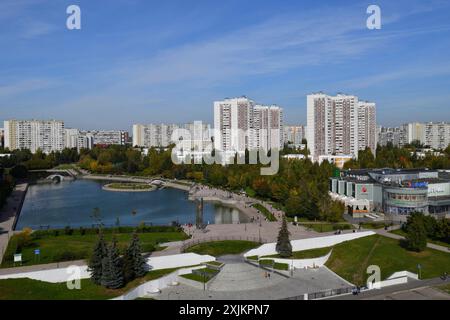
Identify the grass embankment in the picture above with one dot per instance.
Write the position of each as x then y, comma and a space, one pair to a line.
27, 289
264, 211
350, 259
402, 233
56, 246
305, 254
201, 275
373, 225
220, 248
268, 263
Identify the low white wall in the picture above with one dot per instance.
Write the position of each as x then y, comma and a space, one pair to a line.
51, 275
178, 260
396, 278
148, 288
387, 283
404, 274
157, 263
307, 244
303, 263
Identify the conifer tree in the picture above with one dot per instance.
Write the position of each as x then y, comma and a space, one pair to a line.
135, 265
284, 247
112, 276
96, 262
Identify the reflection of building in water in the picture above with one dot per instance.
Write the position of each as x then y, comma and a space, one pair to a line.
226, 215
199, 215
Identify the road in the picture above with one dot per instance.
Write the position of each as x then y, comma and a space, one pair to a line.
413, 290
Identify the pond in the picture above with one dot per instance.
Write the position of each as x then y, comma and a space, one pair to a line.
73, 204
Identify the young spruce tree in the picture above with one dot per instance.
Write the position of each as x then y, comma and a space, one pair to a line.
96, 262
134, 263
112, 276
284, 247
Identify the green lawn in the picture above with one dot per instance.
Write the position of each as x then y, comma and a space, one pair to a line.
305, 254
209, 274
327, 227
130, 186
220, 248
27, 289
373, 225
402, 233
264, 211
350, 259
77, 247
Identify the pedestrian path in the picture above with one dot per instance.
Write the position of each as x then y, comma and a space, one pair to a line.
243, 276
8, 215
387, 234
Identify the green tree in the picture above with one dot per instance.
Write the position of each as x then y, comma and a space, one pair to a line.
135, 265
112, 275
416, 233
99, 253
284, 247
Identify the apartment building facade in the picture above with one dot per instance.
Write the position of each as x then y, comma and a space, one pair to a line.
294, 134
240, 124
339, 125
44, 135
196, 135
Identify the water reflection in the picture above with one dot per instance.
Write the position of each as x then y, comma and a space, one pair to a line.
72, 203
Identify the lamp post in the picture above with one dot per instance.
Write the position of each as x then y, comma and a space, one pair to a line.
259, 231
204, 281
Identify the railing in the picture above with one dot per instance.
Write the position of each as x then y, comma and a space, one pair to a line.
189, 243
322, 294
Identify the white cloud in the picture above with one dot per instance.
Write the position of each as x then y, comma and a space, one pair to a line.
25, 86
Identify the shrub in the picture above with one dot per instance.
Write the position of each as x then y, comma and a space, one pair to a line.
24, 239
69, 256
68, 231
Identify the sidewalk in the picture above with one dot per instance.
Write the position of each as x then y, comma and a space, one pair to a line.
8, 215
387, 234
42, 267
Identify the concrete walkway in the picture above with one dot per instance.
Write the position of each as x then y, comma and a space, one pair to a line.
42, 267
275, 288
387, 234
8, 215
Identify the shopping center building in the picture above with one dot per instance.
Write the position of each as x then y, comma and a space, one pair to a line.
393, 192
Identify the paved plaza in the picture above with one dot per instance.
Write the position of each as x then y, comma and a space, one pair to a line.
241, 281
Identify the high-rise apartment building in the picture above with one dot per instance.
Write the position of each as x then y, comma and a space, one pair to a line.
294, 134
2, 135
71, 138
339, 125
46, 135
395, 136
367, 126
160, 135
109, 137
241, 124
232, 120
437, 135
415, 132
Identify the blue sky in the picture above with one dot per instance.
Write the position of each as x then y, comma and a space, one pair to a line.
143, 61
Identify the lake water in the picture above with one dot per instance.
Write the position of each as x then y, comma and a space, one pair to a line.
73, 203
